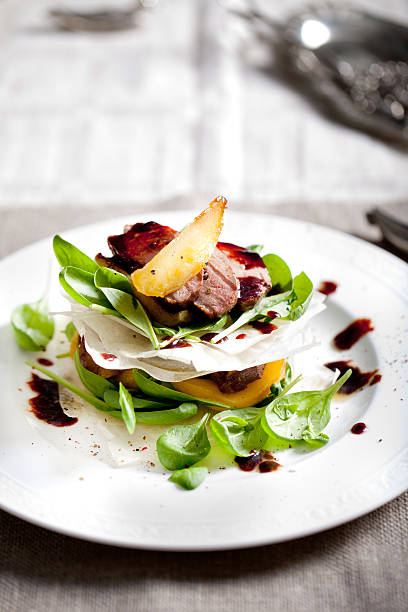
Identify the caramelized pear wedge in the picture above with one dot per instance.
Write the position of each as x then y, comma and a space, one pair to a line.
183, 257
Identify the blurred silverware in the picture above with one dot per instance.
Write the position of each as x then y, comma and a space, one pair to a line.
393, 222
353, 62
105, 20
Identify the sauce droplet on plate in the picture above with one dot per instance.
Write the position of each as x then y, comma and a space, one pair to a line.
349, 336
264, 460
45, 362
46, 405
358, 428
358, 379
327, 287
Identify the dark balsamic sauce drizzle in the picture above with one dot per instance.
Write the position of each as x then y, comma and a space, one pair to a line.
46, 405
250, 288
249, 259
349, 336
176, 343
327, 287
262, 460
358, 428
208, 337
263, 326
45, 362
375, 379
358, 379
240, 337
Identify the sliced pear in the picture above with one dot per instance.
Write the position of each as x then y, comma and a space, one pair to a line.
184, 256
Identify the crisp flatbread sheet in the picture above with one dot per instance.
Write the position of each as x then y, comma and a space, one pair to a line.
116, 344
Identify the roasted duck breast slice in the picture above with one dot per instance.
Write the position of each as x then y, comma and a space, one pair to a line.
235, 380
219, 291
253, 275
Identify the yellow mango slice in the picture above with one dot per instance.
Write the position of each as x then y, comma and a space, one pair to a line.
183, 257
251, 395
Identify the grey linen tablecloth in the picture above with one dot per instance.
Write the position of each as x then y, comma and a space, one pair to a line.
360, 566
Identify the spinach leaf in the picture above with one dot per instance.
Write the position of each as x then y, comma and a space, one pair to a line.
189, 478
96, 384
279, 272
106, 311
187, 332
106, 277
94, 401
70, 331
31, 326
303, 415
260, 309
128, 306
126, 405
69, 255
111, 397
239, 431
257, 248
79, 284
167, 417
303, 290
183, 445
154, 388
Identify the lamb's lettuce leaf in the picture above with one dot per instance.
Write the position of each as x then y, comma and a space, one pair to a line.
31, 326
184, 445
302, 415
189, 478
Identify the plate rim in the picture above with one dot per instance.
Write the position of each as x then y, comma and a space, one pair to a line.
329, 524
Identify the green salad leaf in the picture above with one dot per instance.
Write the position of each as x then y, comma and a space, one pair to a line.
279, 272
111, 397
183, 445
79, 284
302, 415
70, 331
31, 326
257, 248
69, 255
108, 278
303, 291
239, 431
190, 331
260, 309
154, 388
124, 302
96, 384
167, 417
189, 478
126, 405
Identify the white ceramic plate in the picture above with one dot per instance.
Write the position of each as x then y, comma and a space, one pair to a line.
45, 478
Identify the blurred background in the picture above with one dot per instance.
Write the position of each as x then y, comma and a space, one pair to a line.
112, 106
